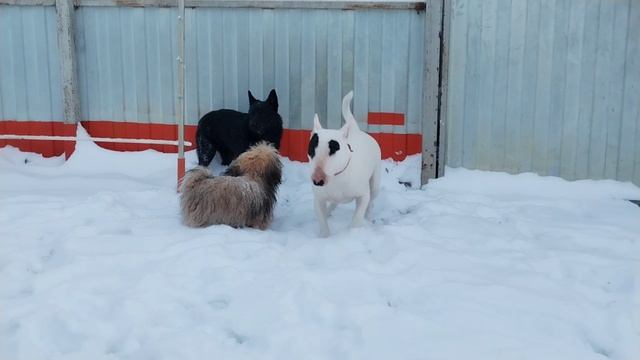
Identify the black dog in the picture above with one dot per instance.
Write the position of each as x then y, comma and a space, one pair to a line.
231, 132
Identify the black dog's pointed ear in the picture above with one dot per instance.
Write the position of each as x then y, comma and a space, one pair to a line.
273, 99
251, 98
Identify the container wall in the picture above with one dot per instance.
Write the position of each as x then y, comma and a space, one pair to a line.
30, 87
547, 86
127, 63
312, 58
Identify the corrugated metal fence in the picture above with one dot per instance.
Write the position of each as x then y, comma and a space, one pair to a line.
127, 71
29, 64
312, 57
550, 86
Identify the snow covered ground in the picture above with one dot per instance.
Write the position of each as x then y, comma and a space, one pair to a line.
94, 264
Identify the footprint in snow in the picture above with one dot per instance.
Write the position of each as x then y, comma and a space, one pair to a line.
238, 338
218, 304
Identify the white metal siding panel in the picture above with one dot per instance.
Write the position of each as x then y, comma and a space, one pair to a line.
629, 161
500, 90
30, 86
550, 86
456, 88
515, 81
572, 88
416, 66
312, 58
587, 88
127, 63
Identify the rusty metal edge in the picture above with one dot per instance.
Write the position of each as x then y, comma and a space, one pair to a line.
431, 90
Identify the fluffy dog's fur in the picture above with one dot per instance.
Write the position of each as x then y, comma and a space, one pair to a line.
346, 167
231, 132
244, 195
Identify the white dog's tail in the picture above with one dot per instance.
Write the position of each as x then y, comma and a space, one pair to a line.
346, 110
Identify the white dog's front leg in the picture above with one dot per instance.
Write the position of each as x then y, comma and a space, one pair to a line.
332, 206
361, 207
321, 214
367, 213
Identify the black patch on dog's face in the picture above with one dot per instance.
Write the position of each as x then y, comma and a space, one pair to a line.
333, 147
313, 144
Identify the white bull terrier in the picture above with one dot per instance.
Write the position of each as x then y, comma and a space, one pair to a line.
346, 167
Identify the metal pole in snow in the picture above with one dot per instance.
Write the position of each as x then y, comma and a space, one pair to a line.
181, 100
68, 64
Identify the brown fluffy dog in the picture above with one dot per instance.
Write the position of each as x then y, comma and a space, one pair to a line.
243, 196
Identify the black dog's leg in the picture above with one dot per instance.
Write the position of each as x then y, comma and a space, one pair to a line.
205, 150
227, 156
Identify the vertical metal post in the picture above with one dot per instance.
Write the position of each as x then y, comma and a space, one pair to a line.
431, 89
66, 44
181, 99
444, 81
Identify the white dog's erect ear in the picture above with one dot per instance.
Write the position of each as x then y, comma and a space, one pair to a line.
316, 123
346, 129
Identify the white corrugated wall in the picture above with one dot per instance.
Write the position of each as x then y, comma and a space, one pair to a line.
549, 86
127, 63
312, 57
29, 65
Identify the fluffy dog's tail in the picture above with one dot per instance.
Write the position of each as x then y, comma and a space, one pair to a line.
194, 177
346, 111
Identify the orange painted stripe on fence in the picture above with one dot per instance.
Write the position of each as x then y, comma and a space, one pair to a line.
47, 147
131, 130
298, 145
2, 131
18, 128
144, 132
385, 118
62, 129
293, 145
42, 147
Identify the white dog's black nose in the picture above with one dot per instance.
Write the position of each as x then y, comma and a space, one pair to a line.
318, 183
